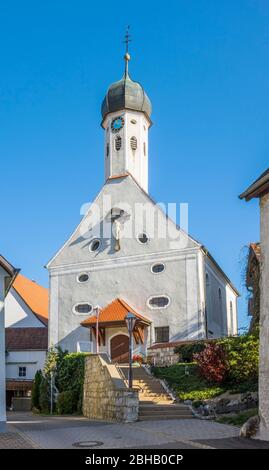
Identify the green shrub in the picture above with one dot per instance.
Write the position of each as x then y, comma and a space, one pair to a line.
243, 358
66, 402
44, 395
36, 390
188, 386
186, 351
70, 377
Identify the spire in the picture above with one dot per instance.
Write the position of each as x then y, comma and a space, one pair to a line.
127, 57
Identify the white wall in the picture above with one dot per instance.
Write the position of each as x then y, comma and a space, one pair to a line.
32, 360
18, 314
2, 350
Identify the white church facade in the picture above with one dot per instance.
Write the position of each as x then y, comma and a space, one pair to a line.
127, 254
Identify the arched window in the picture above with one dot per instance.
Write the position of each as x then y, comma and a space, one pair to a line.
133, 143
118, 143
107, 150
145, 148
207, 279
231, 318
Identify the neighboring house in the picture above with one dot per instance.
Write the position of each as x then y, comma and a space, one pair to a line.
260, 189
165, 277
26, 322
253, 283
7, 276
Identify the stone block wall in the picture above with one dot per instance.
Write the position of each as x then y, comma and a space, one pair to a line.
162, 356
106, 396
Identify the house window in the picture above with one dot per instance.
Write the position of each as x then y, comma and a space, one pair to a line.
160, 301
133, 143
144, 147
157, 268
143, 238
162, 334
94, 245
118, 143
107, 150
84, 277
83, 308
22, 371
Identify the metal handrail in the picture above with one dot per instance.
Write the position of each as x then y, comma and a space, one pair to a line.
124, 378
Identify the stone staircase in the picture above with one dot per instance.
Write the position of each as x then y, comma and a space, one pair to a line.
154, 402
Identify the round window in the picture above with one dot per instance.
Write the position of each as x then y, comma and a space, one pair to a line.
84, 277
143, 238
158, 268
95, 245
83, 308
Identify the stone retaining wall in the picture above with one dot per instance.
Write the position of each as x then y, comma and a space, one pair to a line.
162, 356
106, 396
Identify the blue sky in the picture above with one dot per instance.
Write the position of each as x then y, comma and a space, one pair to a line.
204, 65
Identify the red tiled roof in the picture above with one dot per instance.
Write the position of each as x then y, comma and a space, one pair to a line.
18, 339
116, 311
34, 295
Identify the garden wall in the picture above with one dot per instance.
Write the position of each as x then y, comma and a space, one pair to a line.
105, 395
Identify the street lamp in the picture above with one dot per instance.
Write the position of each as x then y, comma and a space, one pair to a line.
97, 310
130, 322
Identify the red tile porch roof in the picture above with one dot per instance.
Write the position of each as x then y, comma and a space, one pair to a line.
115, 312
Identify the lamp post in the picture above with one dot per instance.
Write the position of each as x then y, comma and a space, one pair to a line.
97, 310
130, 322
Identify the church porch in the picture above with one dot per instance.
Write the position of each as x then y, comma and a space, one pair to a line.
113, 337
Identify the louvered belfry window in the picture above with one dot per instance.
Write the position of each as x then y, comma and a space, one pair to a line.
133, 143
118, 143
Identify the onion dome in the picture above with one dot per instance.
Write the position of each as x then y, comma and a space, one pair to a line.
126, 94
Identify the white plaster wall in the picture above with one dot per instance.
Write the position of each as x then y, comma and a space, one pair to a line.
218, 313
17, 312
125, 159
123, 193
135, 283
2, 349
264, 322
33, 360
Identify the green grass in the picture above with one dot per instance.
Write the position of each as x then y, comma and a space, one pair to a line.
238, 419
188, 387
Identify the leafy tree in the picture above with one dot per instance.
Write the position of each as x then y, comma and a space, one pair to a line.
36, 389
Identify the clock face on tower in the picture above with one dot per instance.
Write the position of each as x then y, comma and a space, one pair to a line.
117, 124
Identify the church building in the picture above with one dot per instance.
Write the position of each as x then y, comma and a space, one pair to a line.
127, 254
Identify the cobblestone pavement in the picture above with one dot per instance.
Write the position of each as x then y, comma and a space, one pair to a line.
60, 432
63, 432
13, 440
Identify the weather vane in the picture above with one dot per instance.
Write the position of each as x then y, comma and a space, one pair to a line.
127, 39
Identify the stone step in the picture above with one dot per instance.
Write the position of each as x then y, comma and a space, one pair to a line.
167, 413
163, 408
155, 417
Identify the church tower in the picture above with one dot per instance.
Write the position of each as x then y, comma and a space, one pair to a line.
126, 111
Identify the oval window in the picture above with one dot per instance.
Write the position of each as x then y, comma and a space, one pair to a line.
158, 268
84, 277
143, 238
160, 301
83, 309
95, 245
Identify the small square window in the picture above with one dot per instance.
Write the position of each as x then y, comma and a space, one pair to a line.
22, 371
162, 334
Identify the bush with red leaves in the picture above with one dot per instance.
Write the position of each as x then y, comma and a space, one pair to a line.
212, 363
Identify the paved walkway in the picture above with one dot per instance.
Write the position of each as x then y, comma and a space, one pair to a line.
58, 432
